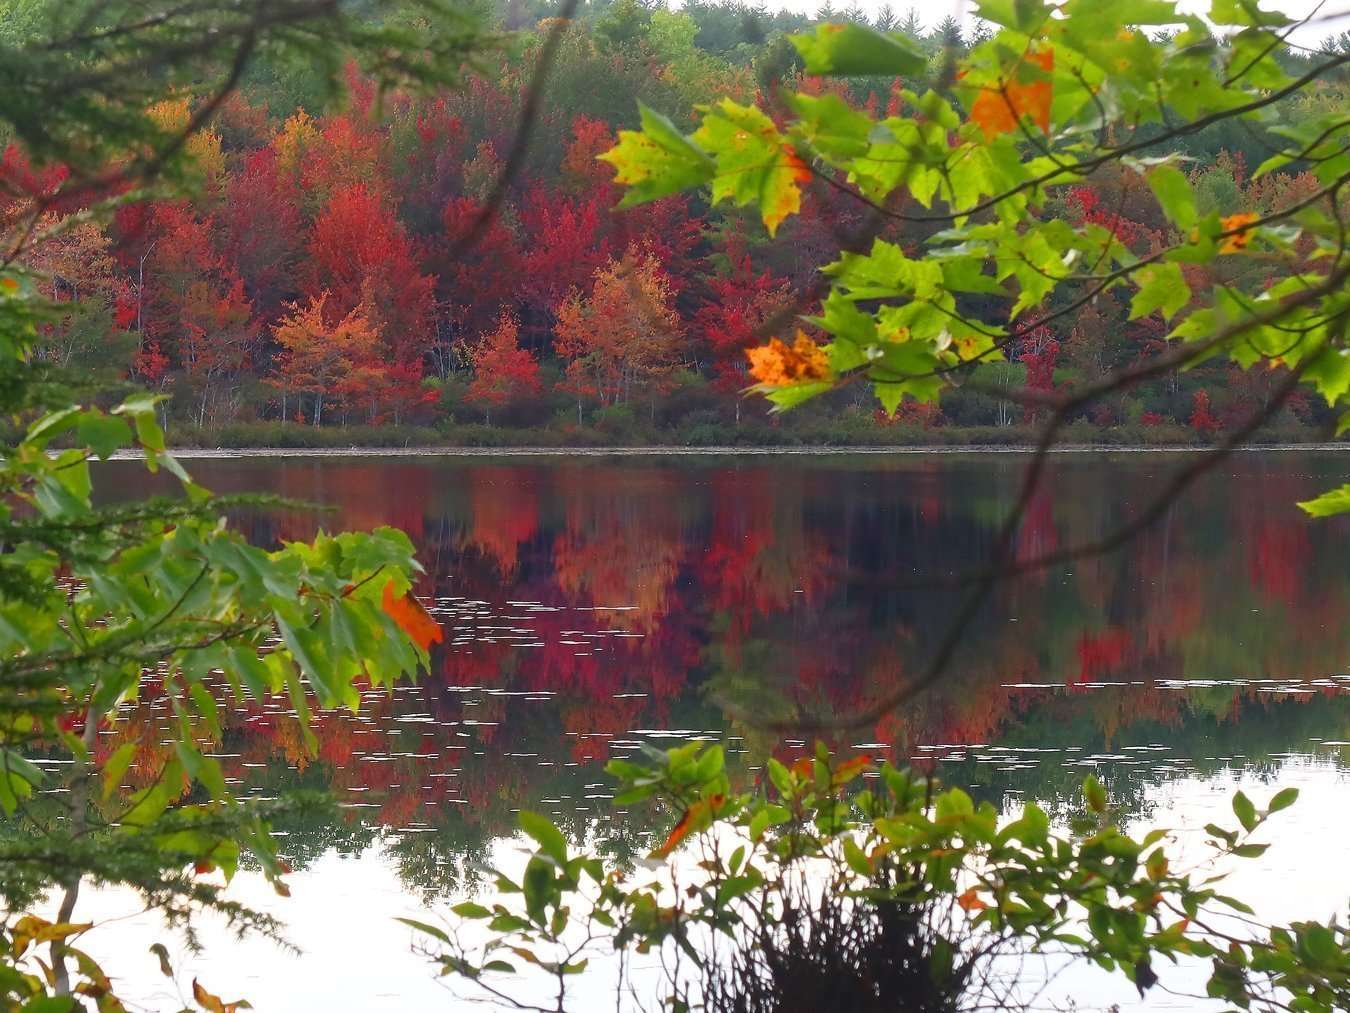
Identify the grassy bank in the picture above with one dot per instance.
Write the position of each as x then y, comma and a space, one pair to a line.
835, 434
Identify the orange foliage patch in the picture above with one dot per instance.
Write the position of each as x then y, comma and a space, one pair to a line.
804, 767
801, 173
412, 617
1233, 223
998, 110
778, 365
212, 1003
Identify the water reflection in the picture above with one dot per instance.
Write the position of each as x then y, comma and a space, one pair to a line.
592, 604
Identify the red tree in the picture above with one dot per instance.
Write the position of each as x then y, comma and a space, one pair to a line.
360, 252
731, 319
1202, 419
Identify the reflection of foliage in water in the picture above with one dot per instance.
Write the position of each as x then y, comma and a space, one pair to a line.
763, 590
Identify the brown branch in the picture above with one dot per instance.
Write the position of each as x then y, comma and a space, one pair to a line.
529, 116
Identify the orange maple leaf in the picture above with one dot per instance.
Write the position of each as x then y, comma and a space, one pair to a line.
1234, 223
970, 900
412, 617
998, 110
778, 365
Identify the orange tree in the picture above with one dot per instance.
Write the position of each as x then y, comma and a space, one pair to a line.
319, 355
502, 370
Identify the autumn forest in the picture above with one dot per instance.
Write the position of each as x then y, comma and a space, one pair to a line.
396, 269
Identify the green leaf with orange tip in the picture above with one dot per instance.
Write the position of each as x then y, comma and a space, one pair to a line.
657, 160
850, 769
755, 164
698, 816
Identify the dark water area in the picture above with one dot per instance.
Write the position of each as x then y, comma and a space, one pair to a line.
592, 604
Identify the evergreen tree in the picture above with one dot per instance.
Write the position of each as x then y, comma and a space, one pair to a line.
948, 33
911, 26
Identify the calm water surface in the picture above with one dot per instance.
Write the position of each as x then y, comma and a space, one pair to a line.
591, 604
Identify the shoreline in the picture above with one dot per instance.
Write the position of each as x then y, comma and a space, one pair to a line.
226, 453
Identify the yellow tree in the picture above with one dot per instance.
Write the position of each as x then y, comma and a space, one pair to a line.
76, 268
319, 355
624, 334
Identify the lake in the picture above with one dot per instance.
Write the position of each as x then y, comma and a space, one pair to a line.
593, 603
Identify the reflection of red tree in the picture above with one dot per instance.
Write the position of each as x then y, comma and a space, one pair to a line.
1038, 534
621, 544
366, 496
398, 808
591, 723
928, 494
505, 513
760, 559
1100, 653
482, 665
1277, 558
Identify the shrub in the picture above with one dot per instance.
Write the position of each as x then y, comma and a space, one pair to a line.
813, 895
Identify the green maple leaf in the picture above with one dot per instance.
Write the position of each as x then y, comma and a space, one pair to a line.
657, 160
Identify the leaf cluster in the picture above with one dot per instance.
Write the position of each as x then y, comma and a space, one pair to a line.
741, 872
